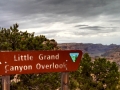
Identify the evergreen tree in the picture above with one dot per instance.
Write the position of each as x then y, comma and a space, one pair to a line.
99, 74
81, 78
106, 74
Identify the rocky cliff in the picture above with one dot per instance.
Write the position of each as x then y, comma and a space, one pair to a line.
92, 49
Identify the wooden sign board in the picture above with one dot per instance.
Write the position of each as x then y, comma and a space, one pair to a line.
26, 62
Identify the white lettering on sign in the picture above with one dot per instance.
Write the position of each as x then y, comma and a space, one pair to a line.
17, 68
48, 57
23, 57
51, 66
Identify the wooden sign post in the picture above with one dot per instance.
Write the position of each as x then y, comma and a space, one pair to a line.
5, 78
5, 82
64, 81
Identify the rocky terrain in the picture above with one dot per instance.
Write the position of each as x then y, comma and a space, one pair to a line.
92, 49
111, 52
113, 55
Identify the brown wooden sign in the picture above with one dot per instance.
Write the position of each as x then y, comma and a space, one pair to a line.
26, 62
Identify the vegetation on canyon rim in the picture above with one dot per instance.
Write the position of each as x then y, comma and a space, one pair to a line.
99, 74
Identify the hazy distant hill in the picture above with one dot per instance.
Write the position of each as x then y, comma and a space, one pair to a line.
111, 52
92, 49
113, 55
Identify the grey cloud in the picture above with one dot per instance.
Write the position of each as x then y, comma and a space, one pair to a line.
78, 33
56, 1
79, 2
92, 27
81, 25
93, 30
97, 28
83, 33
68, 7
40, 13
29, 12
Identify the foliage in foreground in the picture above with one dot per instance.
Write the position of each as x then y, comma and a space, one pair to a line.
99, 74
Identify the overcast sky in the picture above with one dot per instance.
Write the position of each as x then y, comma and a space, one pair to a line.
66, 21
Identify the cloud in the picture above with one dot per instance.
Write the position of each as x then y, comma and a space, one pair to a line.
63, 18
80, 25
78, 8
48, 11
93, 30
99, 28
